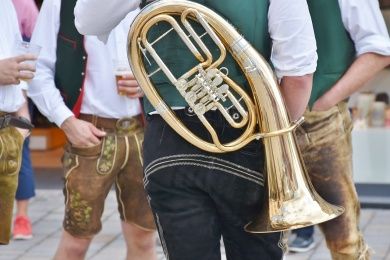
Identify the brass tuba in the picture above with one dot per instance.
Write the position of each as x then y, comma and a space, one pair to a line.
292, 201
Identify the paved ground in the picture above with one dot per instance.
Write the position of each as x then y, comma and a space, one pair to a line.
46, 211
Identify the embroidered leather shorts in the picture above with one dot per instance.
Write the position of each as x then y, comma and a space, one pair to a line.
90, 173
11, 143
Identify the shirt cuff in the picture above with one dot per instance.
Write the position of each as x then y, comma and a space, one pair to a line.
297, 72
60, 114
375, 44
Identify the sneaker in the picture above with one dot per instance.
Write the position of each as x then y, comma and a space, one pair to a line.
22, 228
301, 245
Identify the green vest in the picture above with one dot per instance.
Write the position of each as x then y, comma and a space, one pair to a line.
71, 58
250, 18
336, 51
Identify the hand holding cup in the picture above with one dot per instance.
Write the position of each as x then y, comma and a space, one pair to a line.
17, 68
27, 66
125, 81
128, 86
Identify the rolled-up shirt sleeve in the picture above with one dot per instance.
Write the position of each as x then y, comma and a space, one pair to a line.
42, 89
99, 17
294, 50
366, 26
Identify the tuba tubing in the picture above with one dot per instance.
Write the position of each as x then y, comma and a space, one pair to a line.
292, 201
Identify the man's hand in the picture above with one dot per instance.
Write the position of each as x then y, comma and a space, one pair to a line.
129, 87
323, 104
81, 133
15, 68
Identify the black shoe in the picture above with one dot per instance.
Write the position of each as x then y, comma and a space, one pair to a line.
301, 245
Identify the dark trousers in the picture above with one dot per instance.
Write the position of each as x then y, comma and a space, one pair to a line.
198, 197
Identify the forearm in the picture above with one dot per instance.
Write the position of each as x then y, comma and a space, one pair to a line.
361, 71
296, 93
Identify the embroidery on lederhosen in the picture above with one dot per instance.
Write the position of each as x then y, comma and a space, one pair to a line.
80, 211
105, 163
11, 151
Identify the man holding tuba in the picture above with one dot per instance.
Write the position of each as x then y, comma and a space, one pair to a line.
197, 196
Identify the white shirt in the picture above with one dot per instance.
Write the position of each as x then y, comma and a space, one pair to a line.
290, 27
11, 96
366, 26
100, 89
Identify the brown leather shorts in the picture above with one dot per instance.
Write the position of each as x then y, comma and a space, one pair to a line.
11, 143
325, 143
90, 172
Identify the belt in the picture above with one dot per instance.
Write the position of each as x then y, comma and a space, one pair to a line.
16, 121
123, 124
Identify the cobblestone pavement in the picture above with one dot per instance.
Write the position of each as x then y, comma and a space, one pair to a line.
46, 212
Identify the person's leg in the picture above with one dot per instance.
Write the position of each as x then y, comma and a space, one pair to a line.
185, 215
71, 247
85, 191
11, 143
26, 190
187, 222
141, 243
137, 219
327, 151
21, 208
238, 193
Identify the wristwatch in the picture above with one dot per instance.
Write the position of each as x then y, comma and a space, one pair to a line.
16, 121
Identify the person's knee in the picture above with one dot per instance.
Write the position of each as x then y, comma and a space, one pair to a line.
72, 246
139, 238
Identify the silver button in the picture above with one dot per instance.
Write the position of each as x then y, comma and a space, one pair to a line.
84, 58
82, 73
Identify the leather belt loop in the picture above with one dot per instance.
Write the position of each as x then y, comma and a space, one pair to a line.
94, 120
